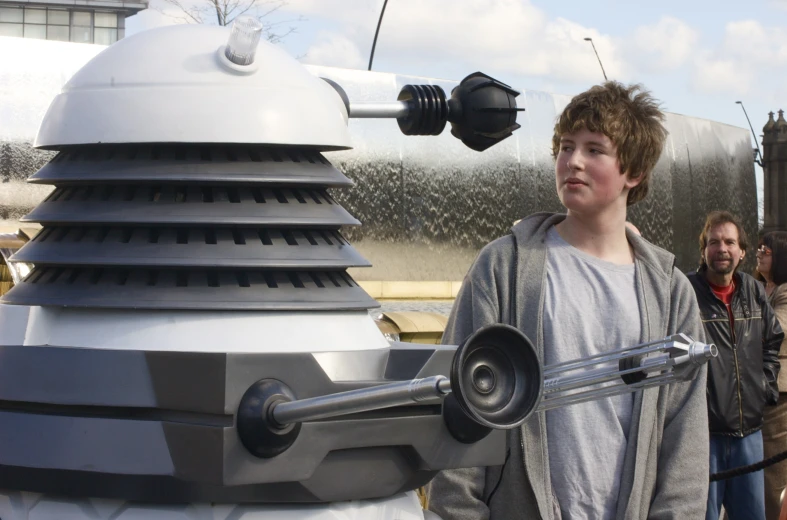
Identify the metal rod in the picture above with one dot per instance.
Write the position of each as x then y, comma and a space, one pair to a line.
394, 109
605, 374
360, 400
597, 393
376, 32
589, 377
599, 59
615, 355
752, 133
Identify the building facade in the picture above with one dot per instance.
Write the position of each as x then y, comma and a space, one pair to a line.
774, 166
100, 22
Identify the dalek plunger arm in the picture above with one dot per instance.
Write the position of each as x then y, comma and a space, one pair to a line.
496, 382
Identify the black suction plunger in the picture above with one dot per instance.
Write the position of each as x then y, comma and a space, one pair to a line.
260, 435
496, 382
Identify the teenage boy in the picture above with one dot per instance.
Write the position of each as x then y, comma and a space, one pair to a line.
579, 284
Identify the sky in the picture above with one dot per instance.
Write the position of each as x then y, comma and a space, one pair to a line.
698, 57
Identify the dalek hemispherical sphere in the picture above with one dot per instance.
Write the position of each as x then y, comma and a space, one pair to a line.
175, 85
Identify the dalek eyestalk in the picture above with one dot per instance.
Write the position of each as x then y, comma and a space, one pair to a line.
482, 110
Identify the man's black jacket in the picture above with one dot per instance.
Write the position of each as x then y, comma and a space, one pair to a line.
742, 378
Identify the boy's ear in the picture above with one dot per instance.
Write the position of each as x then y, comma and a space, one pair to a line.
633, 182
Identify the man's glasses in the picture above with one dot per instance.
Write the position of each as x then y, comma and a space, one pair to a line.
764, 251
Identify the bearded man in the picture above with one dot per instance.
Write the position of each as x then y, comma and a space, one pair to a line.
742, 378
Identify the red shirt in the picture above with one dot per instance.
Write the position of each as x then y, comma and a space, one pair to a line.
725, 295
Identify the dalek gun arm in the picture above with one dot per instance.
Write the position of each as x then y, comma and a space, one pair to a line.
656, 363
496, 382
482, 110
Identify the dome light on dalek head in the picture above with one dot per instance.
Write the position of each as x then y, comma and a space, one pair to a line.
190, 333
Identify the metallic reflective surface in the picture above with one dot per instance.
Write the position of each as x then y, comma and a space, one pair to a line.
360, 400
428, 204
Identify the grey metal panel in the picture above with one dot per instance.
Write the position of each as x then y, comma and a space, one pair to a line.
248, 164
160, 455
191, 247
104, 445
190, 205
80, 377
190, 289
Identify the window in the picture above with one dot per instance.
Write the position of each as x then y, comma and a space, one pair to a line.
35, 31
54, 17
79, 26
106, 20
11, 14
57, 32
105, 36
106, 32
11, 29
82, 27
37, 16
81, 18
57, 25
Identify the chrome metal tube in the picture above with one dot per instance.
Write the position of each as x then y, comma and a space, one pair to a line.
360, 400
676, 357
392, 110
615, 355
607, 391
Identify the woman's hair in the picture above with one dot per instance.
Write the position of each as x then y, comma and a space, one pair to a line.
776, 241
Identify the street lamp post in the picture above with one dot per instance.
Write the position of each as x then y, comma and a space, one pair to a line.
599, 59
752, 133
374, 43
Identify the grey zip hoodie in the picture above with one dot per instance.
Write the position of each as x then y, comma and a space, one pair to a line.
665, 470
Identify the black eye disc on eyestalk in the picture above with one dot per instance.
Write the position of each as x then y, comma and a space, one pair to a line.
481, 110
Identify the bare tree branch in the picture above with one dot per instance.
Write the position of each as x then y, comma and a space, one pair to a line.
225, 11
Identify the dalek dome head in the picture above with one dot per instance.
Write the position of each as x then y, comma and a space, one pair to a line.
195, 84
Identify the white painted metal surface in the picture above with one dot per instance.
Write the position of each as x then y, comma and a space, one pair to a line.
189, 331
169, 85
32, 506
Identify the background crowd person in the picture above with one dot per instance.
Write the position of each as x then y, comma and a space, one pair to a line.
742, 379
772, 272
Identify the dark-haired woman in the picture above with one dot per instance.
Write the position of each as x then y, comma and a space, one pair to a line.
772, 271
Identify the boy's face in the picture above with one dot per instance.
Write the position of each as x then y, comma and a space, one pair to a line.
587, 172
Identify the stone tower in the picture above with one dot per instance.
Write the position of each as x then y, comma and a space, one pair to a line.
774, 164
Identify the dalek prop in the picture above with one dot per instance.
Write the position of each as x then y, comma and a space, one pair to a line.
189, 343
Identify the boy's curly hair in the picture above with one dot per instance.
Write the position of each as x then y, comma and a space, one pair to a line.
630, 117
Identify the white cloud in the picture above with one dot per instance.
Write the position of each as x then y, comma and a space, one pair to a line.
748, 40
720, 75
362, 12
749, 60
334, 50
509, 36
665, 45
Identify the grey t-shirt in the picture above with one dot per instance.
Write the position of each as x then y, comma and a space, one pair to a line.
590, 307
